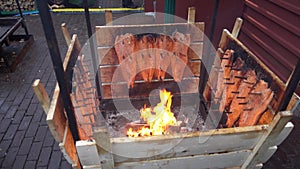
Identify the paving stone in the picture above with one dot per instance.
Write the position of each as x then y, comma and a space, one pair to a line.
31, 131
11, 131
31, 109
11, 112
18, 117
35, 151
40, 135
20, 162
18, 139
56, 146
38, 114
18, 100
10, 158
55, 160
25, 146
12, 95
30, 165
1, 117
49, 140
44, 156
25, 104
4, 145
5, 93
4, 125
25, 123
2, 101
4, 107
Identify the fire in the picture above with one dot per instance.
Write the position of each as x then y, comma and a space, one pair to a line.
158, 118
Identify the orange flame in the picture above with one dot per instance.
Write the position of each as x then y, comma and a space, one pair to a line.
158, 119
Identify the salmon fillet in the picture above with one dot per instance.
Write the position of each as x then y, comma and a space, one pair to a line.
142, 57
232, 85
163, 55
180, 49
259, 99
124, 46
224, 73
241, 98
151, 57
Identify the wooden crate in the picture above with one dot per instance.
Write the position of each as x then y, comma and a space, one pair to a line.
240, 147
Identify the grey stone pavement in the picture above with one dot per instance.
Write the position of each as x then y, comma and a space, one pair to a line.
25, 140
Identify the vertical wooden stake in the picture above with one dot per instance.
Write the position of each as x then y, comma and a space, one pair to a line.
191, 15
237, 26
66, 33
41, 94
108, 17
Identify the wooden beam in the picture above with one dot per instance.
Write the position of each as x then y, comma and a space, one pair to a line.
237, 27
41, 94
108, 17
66, 33
191, 15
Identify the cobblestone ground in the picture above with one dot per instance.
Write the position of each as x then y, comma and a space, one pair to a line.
25, 140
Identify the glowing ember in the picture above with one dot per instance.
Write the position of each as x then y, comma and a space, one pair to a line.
159, 119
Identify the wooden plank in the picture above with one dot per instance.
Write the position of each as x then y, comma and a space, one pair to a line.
185, 144
188, 85
108, 17
191, 15
277, 125
278, 139
222, 160
104, 146
110, 75
107, 55
87, 153
56, 118
264, 157
66, 33
41, 94
237, 27
67, 146
106, 34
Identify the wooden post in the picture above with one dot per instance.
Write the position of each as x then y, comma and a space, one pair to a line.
237, 26
66, 33
191, 15
41, 94
108, 17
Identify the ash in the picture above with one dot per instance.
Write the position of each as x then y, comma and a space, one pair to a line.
188, 115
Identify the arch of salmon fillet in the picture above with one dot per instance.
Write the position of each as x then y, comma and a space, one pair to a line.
181, 43
259, 99
232, 84
124, 47
163, 48
238, 102
224, 73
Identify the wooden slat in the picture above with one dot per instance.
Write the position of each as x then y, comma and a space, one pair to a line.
56, 118
180, 145
108, 17
191, 15
237, 26
223, 160
106, 34
41, 94
278, 139
66, 33
189, 85
267, 155
109, 73
67, 146
107, 55
87, 153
